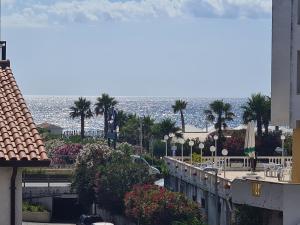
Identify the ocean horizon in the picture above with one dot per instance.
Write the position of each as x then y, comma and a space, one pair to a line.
55, 109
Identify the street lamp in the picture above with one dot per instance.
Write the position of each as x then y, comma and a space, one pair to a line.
212, 150
282, 137
201, 146
166, 138
181, 141
224, 153
191, 144
216, 139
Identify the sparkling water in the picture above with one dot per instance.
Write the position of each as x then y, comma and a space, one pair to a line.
56, 110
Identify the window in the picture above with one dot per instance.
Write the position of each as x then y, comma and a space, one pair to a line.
298, 72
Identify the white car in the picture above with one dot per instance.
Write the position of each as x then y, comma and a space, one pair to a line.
140, 160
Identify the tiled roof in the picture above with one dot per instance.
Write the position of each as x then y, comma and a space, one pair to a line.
19, 137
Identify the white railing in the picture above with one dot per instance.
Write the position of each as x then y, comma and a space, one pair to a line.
242, 162
194, 175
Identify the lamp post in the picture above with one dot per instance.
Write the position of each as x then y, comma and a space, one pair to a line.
224, 153
212, 150
166, 138
282, 137
201, 146
216, 145
191, 144
181, 141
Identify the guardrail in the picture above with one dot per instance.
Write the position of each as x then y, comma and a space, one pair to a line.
242, 162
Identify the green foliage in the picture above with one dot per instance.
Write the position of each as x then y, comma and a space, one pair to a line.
196, 157
189, 221
116, 178
219, 113
159, 148
88, 160
33, 207
130, 131
258, 108
126, 148
180, 106
150, 204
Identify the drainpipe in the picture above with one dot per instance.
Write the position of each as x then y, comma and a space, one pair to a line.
13, 196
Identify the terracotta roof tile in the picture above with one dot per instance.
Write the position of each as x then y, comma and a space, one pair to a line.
19, 138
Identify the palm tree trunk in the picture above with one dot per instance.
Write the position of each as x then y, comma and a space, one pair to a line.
105, 123
259, 126
82, 126
182, 121
266, 126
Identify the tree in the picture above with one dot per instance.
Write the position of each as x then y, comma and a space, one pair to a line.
258, 108
165, 127
147, 123
121, 118
219, 113
103, 104
82, 109
180, 106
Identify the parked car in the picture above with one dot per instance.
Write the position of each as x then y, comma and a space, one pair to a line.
89, 220
103, 223
140, 160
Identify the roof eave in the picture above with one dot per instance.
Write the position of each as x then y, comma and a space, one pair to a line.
25, 163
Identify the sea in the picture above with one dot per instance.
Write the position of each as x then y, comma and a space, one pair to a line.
56, 110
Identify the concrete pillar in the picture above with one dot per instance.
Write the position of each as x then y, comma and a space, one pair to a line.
296, 156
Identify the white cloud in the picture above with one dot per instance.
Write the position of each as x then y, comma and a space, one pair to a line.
67, 11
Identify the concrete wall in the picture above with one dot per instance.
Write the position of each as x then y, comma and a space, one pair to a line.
5, 176
210, 209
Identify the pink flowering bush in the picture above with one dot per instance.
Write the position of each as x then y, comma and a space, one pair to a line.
66, 154
150, 204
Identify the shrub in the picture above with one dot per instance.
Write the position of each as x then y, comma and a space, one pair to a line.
89, 158
126, 148
32, 207
150, 204
65, 154
196, 158
116, 178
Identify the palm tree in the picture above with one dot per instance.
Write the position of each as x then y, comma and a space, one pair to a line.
258, 108
121, 118
219, 113
82, 109
180, 106
266, 117
147, 123
165, 127
103, 104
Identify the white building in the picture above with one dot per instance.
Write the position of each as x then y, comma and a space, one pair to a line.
286, 63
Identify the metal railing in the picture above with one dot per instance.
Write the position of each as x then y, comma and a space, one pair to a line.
242, 162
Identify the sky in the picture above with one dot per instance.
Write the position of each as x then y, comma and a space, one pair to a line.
188, 48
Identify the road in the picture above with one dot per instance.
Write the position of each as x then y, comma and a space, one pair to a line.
30, 223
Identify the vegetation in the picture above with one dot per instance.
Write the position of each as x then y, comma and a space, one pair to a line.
180, 106
219, 113
258, 108
32, 207
102, 106
82, 109
150, 204
117, 177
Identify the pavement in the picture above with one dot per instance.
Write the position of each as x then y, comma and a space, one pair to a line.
30, 223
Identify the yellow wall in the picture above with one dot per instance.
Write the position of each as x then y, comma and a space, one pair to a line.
296, 156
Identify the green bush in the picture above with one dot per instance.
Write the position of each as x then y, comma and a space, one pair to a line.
117, 177
153, 205
33, 207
